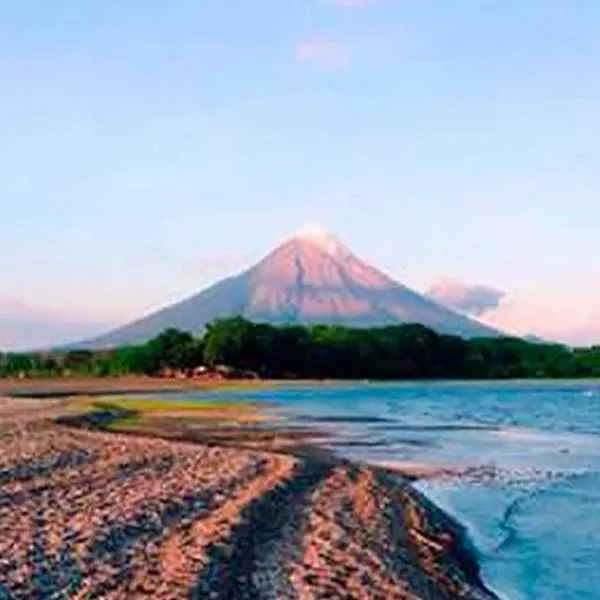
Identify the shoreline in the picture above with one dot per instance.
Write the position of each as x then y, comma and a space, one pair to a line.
93, 386
295, 525
106, 386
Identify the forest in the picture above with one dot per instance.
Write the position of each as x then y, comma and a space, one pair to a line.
317, 352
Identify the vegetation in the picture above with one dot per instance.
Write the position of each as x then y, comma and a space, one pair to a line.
144, 413
393, 352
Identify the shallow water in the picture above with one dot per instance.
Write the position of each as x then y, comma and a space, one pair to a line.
532, 502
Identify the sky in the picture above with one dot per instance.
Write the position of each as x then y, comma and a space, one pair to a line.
149, 148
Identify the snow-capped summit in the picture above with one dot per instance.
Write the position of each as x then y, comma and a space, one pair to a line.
318, 234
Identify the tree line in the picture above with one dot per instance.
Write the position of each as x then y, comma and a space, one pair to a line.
322, 351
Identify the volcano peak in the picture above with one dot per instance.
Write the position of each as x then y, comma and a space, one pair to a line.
318, 235
310, 278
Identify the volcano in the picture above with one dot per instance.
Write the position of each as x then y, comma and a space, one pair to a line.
311, 278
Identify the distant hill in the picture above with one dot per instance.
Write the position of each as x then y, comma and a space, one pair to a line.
534, 339
310, 278
26, 327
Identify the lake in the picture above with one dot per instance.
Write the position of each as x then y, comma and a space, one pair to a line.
530, 495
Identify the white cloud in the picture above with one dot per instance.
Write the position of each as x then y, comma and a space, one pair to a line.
470, 299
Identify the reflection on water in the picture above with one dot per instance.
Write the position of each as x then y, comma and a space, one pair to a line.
528, 455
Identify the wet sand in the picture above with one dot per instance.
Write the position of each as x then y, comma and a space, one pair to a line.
86, 513
104, 386
134, 384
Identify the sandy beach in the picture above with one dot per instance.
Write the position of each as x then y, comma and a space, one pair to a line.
95, 514
95, 386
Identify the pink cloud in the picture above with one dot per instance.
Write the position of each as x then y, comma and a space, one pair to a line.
323, 50
351, 3
585, 337
584, 332
548, 318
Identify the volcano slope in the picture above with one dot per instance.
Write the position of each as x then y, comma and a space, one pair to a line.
92, 514
312, 278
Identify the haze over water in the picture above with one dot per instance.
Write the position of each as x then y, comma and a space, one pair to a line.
531, 501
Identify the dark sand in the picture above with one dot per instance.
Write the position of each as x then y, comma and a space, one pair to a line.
93, 514
102, 386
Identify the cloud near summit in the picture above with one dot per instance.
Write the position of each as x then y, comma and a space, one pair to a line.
474, 300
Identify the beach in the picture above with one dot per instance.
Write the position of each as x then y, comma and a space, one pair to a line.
90, 513
105, 386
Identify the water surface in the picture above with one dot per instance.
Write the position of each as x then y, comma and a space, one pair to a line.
532, 497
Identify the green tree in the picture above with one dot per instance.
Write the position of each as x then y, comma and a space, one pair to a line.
229, 341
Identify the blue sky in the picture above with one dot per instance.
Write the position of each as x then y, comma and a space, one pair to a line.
149, 148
